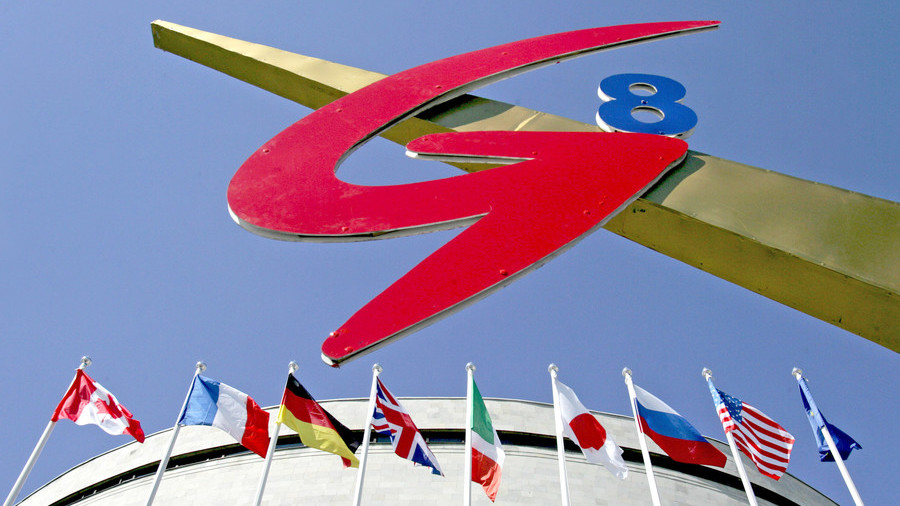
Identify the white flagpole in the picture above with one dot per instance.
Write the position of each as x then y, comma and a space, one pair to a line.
270, 452
38, 448
200, 367
843, 468
748, 488
835, 453
467, 480
361, 473
645, 453
560, 443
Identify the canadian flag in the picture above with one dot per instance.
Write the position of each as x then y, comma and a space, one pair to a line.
583, 428
87, 402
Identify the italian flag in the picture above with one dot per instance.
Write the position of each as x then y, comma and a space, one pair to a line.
487, 455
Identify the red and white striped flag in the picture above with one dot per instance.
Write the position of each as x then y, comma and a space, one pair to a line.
87, 402
766, 443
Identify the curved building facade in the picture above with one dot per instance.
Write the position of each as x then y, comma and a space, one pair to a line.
208, 467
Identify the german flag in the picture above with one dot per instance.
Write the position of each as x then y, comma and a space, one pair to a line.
316, 427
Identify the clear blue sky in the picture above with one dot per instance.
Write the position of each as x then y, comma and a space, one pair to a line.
116, 241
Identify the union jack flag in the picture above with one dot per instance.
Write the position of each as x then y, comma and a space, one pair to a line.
766, 443
390, 419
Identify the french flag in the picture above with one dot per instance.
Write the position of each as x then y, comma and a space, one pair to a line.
673, 433
219, 405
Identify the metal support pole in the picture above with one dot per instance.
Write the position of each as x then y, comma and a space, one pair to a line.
560, 443
748, 487
200, 367
467, 480
645, 453
361, 473
835, 453
270, 452
38, 448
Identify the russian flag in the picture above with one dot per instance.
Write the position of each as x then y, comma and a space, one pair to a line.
219, 405
673, 433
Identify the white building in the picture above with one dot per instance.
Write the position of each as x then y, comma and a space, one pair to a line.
209, 468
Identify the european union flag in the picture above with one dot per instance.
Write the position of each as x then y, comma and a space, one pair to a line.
845, 444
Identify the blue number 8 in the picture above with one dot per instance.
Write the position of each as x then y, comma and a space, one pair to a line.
620, 102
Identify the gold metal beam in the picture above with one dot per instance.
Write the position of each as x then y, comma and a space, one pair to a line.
831, 253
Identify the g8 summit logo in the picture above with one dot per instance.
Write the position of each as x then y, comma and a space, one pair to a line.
549, 190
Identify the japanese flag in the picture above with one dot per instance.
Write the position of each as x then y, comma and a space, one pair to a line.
583, 428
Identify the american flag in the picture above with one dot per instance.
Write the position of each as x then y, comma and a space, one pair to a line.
766, 443
390, 419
